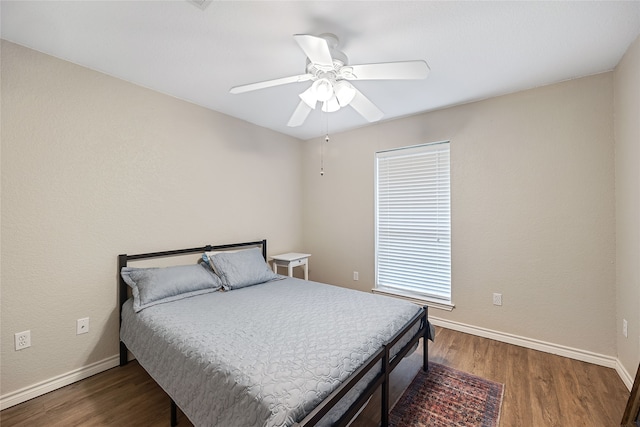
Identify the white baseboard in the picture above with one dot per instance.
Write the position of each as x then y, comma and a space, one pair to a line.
560, 350
10, 399
624, 375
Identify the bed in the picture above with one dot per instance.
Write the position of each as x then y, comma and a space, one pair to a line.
278, 352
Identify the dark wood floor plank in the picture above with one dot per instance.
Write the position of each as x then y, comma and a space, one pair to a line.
612, 399
544, 389
541, 390
568, 386
516, 408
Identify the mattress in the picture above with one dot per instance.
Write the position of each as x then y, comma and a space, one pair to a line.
264, 355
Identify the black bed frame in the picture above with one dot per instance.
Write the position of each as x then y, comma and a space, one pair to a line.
383, 355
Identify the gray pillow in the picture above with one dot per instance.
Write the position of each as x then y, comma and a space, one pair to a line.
241, 268
151, 286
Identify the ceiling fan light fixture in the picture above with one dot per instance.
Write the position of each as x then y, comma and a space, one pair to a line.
330, 76
345, 92
323, 89
309, 97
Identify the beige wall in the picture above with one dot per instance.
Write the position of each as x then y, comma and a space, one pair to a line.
627, 161
92, 167
532, 210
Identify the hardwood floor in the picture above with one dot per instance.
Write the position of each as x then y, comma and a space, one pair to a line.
540, 390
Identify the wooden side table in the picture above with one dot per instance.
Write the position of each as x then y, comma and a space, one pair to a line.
290, 260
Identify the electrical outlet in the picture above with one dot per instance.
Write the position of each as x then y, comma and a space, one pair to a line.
497, 299
82, 326
23, 340
624, 327
356, 276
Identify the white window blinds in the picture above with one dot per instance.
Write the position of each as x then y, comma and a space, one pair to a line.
413, 221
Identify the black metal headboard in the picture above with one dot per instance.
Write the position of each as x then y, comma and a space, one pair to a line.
123, 259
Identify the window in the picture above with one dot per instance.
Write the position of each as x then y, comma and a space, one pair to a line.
413, 222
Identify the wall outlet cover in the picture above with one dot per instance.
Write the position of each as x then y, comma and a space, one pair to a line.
82, 326
22, 340
497, 299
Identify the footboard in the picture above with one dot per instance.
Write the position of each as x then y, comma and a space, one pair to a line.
385, 362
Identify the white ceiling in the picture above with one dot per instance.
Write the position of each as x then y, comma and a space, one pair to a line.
475, 50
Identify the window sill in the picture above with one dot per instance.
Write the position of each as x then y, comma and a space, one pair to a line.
432, 303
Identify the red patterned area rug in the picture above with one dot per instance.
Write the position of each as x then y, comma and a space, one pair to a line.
446, 397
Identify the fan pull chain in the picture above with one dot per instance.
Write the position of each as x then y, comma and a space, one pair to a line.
326, 140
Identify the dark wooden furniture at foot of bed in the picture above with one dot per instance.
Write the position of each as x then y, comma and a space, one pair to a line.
379, 365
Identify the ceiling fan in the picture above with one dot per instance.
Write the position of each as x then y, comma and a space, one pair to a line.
330, 73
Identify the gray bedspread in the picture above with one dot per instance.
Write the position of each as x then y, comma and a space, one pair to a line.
264, 355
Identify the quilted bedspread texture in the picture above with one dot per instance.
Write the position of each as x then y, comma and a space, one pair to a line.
264, 355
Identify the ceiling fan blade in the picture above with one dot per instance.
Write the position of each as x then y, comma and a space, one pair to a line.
316, 49
365, 107
406, 70
299, 115
271, 83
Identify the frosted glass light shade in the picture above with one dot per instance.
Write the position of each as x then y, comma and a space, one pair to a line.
345, 92
323, 89
331, 105
309, 97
